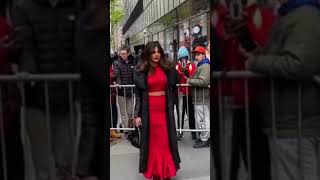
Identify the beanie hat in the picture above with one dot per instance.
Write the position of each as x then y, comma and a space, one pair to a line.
183, 52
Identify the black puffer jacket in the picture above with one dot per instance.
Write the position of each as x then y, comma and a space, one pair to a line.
48, 34
124, 75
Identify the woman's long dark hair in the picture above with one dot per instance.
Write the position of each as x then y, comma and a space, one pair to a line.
145, 65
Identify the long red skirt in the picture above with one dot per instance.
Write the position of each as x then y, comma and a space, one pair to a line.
160, 162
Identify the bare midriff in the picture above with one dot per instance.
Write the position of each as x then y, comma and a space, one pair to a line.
157, 93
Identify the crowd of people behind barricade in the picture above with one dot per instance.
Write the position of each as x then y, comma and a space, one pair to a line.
190, 103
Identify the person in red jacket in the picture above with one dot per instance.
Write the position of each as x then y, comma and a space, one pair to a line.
252, 34
185, 70
113, 94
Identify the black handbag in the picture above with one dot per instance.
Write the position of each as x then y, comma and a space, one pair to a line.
134, 137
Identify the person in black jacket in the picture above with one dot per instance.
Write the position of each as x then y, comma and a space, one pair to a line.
47, 30
123, 69
93, 61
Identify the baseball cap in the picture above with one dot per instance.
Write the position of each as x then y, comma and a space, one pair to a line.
199, 49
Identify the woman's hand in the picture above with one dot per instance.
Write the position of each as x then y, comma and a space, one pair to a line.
137, 121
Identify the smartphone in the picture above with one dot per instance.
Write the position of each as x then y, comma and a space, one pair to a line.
183, 63
235, 10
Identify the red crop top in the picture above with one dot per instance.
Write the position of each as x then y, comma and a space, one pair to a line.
157, 81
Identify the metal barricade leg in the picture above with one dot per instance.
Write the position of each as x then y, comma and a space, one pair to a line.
188, 109
73, 133
125, 103
3, 140
52, 170
180, 108
123, 115
184, 113
118, 108
274, 153
195, 111
133, 102
176, 116
29, 168
205, 118
248, 129
111, 108
37, 143
71, 110
300, 154
222, 144
129, 110
77, 138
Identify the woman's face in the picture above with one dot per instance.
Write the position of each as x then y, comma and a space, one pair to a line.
155, 56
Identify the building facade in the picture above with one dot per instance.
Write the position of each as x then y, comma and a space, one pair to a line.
118, 36
174, 23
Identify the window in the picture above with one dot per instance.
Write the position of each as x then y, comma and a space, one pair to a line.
144, 19
155, 10
145, 40
155, 37
165, 6
171, 4
152, 12
184, 34
175, 43
146, 16
199, 28
150, 15
161, 8
161, 39
169, 42
185, 10
175, 3
158, 9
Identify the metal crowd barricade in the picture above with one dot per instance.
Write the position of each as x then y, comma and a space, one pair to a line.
180, 128
115, 88
219, 77
119, 108
74, 108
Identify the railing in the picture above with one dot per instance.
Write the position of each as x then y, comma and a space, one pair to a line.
75, 117
222, 146
178, 107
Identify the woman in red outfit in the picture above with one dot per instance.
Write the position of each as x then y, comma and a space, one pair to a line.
155, 81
